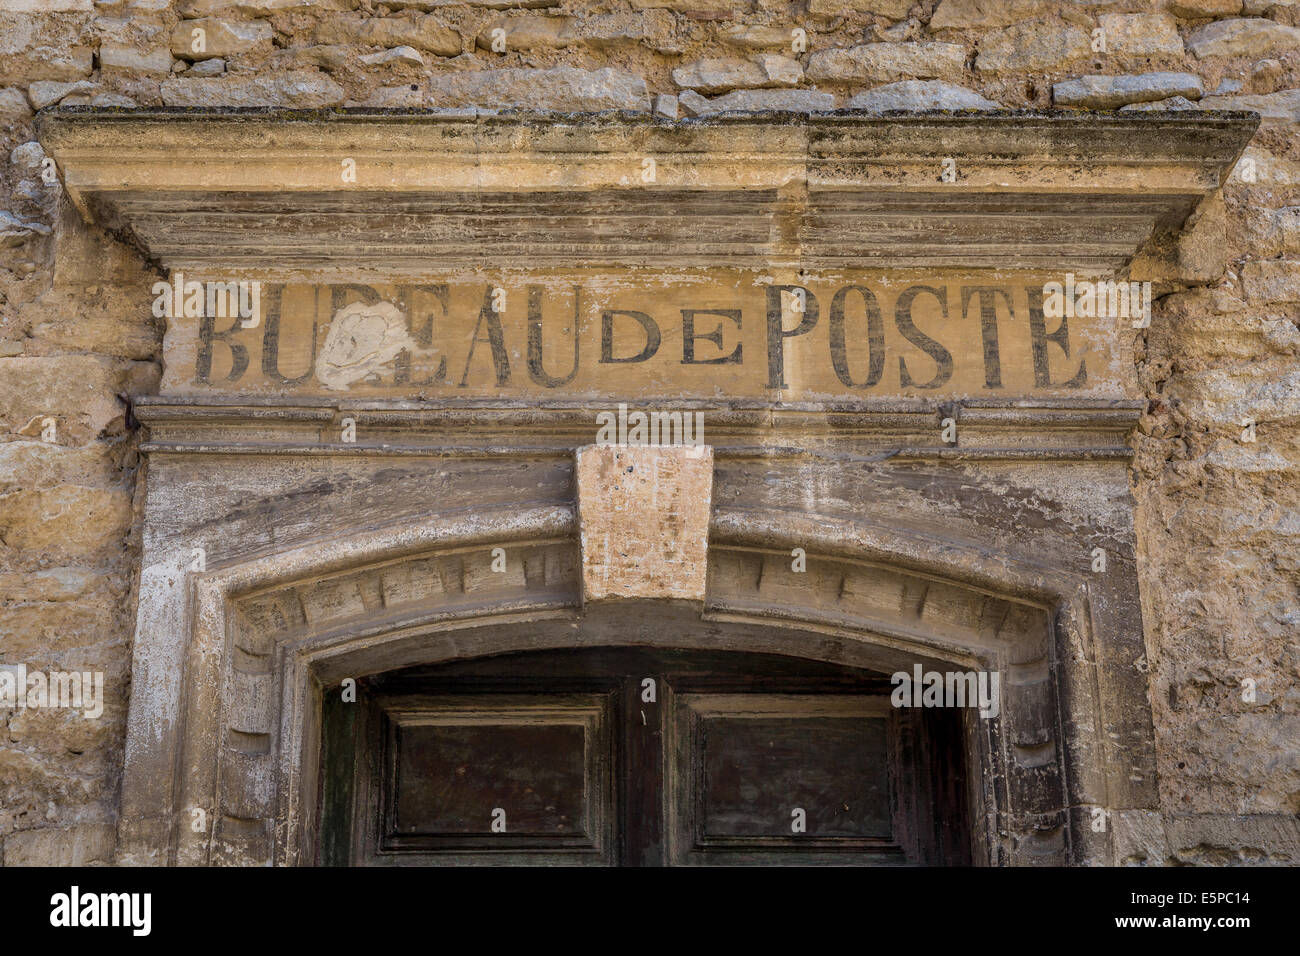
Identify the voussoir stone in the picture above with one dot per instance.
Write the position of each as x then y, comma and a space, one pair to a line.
219, 38
1109, 92
882, 62
565, 88
1252, 36
920, 95
302, 90
1032, 45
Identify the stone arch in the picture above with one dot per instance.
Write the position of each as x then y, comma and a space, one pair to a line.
266, 634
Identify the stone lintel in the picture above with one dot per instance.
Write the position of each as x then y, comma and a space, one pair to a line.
643, 519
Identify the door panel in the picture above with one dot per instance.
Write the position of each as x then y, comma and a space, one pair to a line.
497, 774
635, 757
761, 778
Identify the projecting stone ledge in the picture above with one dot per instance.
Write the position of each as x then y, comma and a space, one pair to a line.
801, 188
643, 520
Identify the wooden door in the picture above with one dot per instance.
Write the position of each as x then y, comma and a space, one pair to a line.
638, 757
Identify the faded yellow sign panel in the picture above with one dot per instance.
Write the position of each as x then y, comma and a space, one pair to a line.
709, 335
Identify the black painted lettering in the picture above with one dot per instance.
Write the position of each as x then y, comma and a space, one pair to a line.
648, 326
274, 302
1038, 339
690, 336
536, 371
988, 296
903, 319
421, 331
207, 336
776, 333
495, 338
875, 337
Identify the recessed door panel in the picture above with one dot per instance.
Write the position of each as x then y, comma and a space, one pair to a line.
496, 778
756, 776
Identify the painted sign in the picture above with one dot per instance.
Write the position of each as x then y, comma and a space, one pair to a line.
680, 335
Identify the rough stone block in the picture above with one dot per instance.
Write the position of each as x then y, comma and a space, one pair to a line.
426, 33
302, 90
1271, 281
401, 55
758, 38
129, 58
1138, 838
1275, 109
684, 6
13, 105
66, 521
79, 391
527, 33
1033, 45
718, 75
560, 88
1254, 37
920, 95
960, 14
82, 845
1197, 9
1108, 92
25, 65
1202, 839
615, 29
1141, 34
219, 38
791, 101
44, 92
893, 9
884, 62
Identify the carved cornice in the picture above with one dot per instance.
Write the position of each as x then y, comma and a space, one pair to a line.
263, 189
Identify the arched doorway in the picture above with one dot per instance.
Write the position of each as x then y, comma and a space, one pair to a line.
639, 756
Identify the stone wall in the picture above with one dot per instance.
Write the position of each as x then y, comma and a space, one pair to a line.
1219, 516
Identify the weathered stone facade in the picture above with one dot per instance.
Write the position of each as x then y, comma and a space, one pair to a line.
1211, 385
